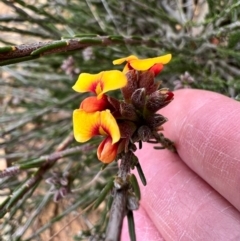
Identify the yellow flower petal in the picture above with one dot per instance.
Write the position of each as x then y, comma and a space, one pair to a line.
100, 83
109, 125
145, 64
102, 131
88, 82
142, 64
126, 68
86, 125
120, 61
112, 80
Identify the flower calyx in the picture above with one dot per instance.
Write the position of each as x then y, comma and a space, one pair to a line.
128, 111
158, 100
138, 98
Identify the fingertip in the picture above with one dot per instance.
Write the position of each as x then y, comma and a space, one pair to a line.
206, 130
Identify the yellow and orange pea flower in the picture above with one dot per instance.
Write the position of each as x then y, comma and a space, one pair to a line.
87, 125
100, 83
151, 64
94, 117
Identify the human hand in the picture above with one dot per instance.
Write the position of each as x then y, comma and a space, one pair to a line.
195, 194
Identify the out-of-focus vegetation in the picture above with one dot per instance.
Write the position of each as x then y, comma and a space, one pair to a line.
37, 99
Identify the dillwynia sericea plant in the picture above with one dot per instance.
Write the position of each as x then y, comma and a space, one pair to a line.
123, 123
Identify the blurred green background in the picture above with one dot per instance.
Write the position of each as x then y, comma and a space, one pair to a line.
37, 100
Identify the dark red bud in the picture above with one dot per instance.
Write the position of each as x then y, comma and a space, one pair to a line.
128, 111
144, 133
127, 128
158, 100
146, 80
115, 103
115, 106
170, 96
138, 98
155, 121
131, 86
164, 91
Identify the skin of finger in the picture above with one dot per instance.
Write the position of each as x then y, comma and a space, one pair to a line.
180, 204
205, 127
144, 228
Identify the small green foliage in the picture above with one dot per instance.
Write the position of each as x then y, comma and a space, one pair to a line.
234, 40
131, 226
104, 193
212, 7
51, 46
141, 174
6, 49
135, 186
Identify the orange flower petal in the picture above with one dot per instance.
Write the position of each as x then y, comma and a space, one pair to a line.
107, 151
93, 104
100, 83
156, 69
86, 125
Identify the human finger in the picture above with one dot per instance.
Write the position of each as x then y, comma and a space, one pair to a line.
206, 130
181, 205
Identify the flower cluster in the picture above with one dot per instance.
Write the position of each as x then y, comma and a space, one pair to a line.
127, 121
